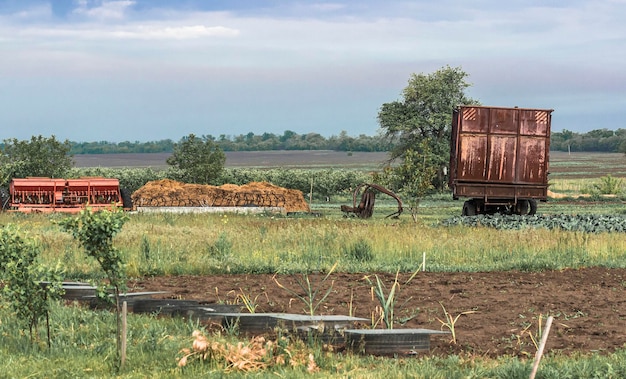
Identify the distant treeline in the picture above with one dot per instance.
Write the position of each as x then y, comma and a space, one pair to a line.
602, 140
289, 140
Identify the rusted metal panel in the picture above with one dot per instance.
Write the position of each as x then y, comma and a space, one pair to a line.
475, 120
490, 191
472, 162
499, 152
533, 160
501, 158
503, 121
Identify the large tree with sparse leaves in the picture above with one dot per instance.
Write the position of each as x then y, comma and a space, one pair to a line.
424, 115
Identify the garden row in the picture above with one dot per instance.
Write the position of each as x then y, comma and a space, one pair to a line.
589, 223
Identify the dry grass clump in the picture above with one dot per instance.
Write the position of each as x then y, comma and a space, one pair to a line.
254, 355
170, 193
555, 195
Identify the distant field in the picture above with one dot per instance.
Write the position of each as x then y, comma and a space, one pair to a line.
562, 165
586, 165
252, 159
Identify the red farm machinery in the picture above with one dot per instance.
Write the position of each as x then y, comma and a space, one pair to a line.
46, 195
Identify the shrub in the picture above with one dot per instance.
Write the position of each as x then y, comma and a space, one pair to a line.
29, 286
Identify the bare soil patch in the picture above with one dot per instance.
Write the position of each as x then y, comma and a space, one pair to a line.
588, 305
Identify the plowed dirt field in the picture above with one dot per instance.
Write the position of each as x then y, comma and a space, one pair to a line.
588, 305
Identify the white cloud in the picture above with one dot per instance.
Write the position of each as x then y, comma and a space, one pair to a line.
34, 13
88, 31
106, 10
174, 32
326, 7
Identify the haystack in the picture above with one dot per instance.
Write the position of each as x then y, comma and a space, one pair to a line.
170, 193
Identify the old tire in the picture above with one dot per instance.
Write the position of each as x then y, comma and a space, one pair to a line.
533, 207
522, 207
469, 208
127, 201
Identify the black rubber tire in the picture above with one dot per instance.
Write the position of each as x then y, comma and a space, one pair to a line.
533, 207
127, 201
469, 208
523, 207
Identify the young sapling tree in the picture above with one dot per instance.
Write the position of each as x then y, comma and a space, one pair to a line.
28, 285
95, 231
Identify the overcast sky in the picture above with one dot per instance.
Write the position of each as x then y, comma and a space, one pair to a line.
146, 70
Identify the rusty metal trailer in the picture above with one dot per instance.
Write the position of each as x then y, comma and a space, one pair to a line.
499, 159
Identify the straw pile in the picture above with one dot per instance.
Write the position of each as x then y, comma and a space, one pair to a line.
170, 193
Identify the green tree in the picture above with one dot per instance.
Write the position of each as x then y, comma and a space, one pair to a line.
199, 160
95, 231
425, 114
414, 176
40, 156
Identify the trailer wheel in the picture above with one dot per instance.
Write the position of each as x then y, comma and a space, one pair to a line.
127, 201
469, 208
533, 207
522, 207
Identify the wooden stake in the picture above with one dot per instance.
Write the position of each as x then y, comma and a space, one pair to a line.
124, 333
544, 339
311, 195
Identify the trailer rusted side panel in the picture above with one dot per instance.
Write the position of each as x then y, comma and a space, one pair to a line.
500, 153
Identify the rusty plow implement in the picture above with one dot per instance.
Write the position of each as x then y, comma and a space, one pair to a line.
365, 208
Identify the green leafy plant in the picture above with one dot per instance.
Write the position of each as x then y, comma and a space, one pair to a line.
145, 247
414, 176
587, 223
388, 299
28, 285
360, 251
222, 248
248, 301
609, 185
311, 297
95, 231
450, 321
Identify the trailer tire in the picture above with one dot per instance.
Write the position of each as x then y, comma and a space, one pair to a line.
522, 207
469, 208
533, 207
127, 201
